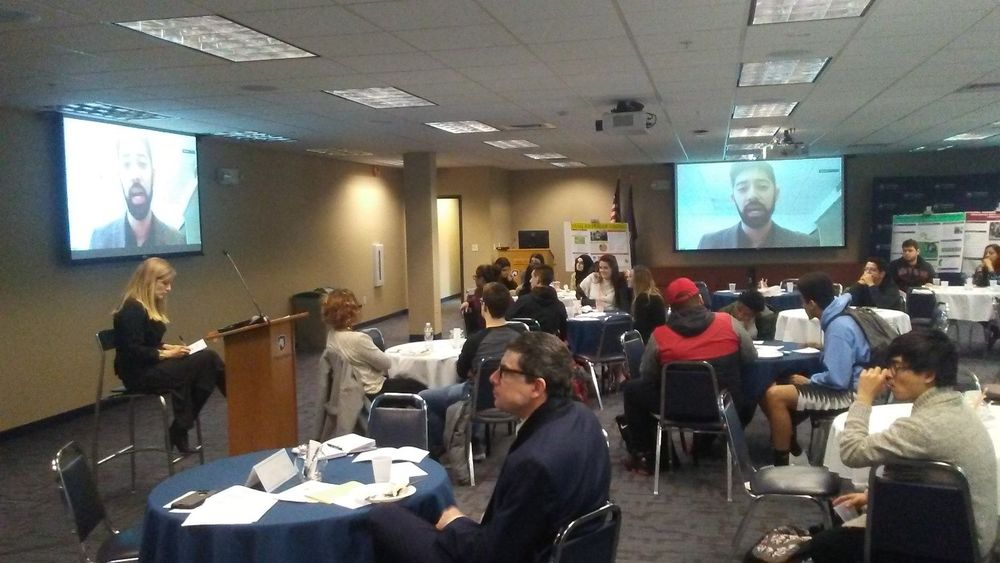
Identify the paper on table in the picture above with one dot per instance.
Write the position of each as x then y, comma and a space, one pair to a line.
235, 505
351, 443
406, 453
807, 350
197, 346
302, 491
768, 347
333, 494
406, 472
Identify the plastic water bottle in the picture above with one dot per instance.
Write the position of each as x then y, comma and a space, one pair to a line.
941, 317
428, 336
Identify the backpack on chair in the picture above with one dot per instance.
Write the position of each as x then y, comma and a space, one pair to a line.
456, 443
877, 331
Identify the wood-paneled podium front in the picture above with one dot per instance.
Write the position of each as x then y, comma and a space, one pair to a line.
260, 385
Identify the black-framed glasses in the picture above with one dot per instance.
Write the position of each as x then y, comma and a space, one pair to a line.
505, 371
898, 367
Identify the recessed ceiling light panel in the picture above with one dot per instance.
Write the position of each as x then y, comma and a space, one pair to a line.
764, 109
462, 126
512, 144
789, 71
336, 151
762, 131
544, 155
218, 36
781, 11
746, 147
382, 98
254, 136
568, 164
972, 136
100, 110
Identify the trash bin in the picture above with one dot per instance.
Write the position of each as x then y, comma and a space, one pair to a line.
310, 332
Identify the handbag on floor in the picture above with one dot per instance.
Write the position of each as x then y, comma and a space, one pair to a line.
780, 545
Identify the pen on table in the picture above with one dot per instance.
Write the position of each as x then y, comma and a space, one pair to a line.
181, 338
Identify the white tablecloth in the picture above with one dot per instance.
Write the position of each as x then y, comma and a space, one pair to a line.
433, 368
568, 299
795, 326
882, 417
968, 303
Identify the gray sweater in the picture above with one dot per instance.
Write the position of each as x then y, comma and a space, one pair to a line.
941, 427
370, 364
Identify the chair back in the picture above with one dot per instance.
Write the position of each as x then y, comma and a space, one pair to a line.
706, 295
518, 326
967, 381
794, 282
376, 336
78, 489
920, 304
689, 391
532, 324
398, 419
591, 538
482, 389
920, 511
633, 347
737, 438
612, 328
105, 343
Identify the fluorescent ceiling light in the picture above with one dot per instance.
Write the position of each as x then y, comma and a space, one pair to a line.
254, 136
764, 109
396, 162
568, 164
101, 110
762, 131
790, 71
462, 126
336, 151
218, 36
780, 11
944, 148
512, 144
747, 156
970, 136
382, 98
917, 149
746, 147
544, 155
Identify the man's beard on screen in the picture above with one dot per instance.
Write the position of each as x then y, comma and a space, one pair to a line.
139, 210
759, 220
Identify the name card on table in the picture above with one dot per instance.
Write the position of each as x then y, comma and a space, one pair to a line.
272, 472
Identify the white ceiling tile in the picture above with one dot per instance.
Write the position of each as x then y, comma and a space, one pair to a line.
391, 62
567, 29
508, 11
354, 44
486, 56
468, 37
422, 14
682, 42
669, 17
289, 24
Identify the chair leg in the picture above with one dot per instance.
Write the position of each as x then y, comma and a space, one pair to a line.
95, 446
201, 444
656, 467
131, 438
597, 386
743, 526
168, 447
468, 450
729, 474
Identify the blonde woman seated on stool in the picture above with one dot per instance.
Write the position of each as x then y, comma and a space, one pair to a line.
341, 311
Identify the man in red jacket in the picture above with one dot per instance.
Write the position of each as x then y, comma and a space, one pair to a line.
692, 333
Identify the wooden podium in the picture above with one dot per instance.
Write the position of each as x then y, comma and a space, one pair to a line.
260, 386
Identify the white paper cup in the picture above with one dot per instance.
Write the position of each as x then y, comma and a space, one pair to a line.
790, 287
382, 468
944, 283
732, 287
846, 512
993, 283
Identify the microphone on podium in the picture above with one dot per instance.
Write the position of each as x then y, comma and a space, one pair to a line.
260, 317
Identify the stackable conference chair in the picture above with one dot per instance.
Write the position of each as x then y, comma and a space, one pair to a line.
105, 344
795, 283
398, 419
632, 347
921, 306
818, 485
591, 538
343, 405
376, 336
689, 400
706, 295
920, 511
78, 489
609, 350
532, 324
484, 411
518, 325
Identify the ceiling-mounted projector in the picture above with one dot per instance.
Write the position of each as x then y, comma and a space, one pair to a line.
782, 145
627, 118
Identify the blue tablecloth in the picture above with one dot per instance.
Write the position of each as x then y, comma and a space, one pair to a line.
777, 303
289, 532
758, 375
583, 333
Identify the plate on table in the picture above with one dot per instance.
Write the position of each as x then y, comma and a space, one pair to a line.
378, 493
806, 350
768, 353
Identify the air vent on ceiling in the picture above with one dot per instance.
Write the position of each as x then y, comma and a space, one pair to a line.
981, 87
527, 126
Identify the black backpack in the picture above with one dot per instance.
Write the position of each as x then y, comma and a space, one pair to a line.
877, 331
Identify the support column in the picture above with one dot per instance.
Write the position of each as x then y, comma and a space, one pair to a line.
422, 283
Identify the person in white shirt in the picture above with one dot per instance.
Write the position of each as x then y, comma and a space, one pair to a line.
606, 286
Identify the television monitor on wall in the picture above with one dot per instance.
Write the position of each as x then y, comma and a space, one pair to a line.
130, 192
532, 239
755, 204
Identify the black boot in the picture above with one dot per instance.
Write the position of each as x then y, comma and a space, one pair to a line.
179, 439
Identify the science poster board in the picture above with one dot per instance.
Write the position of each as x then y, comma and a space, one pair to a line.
940, 238
981, 228
595, 239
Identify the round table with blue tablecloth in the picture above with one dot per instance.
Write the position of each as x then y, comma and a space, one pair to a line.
583, 332
288, 532
758, 375
780, 302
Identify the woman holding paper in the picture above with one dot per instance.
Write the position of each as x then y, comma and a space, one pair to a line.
146, 364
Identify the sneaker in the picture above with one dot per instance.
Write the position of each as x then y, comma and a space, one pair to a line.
639, 463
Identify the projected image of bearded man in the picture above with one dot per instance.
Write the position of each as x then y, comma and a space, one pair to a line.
755, 193
139, 227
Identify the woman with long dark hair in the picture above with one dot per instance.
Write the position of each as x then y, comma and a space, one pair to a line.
606, 287
989, 267
583, 266
472, 307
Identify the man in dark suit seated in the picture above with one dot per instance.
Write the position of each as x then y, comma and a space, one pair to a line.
875, 289
542, 303
557, 469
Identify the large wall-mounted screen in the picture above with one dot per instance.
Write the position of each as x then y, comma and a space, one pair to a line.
130, 192
794, 203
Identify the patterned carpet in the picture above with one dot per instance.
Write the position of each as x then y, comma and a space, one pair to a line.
689, 521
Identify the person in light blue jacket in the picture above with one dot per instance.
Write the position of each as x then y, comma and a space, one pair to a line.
845, 353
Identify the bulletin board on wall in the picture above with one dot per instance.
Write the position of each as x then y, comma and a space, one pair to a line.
940, 238
981, 228
595, 239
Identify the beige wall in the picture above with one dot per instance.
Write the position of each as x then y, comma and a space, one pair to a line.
449, 246
292, 225
485, 212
